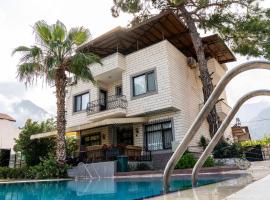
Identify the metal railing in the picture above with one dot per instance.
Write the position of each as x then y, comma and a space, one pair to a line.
221, 131
209, 105
110, 154
108, 103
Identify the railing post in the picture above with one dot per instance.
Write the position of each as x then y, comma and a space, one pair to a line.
210, 103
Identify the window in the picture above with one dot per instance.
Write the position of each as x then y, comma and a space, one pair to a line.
158, 136
144, 83
118, 90
90, 140
81, 101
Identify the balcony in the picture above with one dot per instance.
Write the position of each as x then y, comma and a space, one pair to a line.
111, 68
112, 106
222, 109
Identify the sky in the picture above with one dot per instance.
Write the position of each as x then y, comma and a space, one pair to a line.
18, 16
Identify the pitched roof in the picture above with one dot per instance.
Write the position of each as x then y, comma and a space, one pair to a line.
6, 117
163, 26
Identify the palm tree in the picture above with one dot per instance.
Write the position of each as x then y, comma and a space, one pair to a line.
51, 58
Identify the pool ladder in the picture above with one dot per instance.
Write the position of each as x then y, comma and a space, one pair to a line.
209, 105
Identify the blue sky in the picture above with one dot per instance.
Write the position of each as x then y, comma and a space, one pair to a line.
17, 17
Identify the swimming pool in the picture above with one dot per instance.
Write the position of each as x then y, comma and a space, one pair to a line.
112, 189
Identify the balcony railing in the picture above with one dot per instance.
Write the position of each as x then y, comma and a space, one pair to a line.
109, 103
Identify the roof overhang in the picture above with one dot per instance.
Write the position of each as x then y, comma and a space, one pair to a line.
105, 122
166, 25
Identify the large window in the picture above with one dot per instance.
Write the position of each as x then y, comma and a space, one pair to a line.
81, 101
158, 136
90, 140
144, 83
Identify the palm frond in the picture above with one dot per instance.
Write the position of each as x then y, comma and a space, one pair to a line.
79, 65
28, 72
43, 31
29, 54
20, 49
78, 35
58, 31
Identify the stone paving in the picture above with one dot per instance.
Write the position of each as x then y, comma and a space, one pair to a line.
259, 190
257, 176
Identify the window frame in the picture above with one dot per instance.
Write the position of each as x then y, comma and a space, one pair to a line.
74, 101
163, 130
116, 90
91, 135
145, 74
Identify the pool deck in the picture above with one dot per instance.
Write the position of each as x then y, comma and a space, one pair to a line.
254, 185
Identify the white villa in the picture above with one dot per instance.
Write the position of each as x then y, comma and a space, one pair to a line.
8, 132
147, 94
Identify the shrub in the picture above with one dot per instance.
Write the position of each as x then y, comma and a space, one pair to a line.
72, 146
203, 142
188, 160
48, 168
263, 142
210, 162
33, 150
226, 150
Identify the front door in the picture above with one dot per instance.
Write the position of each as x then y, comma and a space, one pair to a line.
102, 100
125, 134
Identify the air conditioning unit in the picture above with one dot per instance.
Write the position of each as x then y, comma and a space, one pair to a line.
192, 63
72, 80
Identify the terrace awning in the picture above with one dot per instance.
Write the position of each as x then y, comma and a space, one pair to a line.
105, 122
165, 25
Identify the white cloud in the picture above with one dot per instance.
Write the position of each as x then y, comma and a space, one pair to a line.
16, 19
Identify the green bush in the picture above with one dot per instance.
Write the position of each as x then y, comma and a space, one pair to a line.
226, 150
210, 162
34, 150
72, 146
48, 168
188, 160
203, 142
263, 142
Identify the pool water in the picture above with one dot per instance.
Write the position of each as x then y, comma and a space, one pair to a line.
114, 189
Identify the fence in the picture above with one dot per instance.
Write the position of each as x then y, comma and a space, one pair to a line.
16, 160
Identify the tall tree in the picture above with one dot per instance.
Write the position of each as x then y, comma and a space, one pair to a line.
51, 58
34, 150
240, 22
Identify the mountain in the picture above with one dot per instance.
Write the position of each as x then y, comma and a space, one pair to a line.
257, 117
26, 109
260, 125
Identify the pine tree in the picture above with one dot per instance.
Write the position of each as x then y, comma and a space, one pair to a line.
241, 23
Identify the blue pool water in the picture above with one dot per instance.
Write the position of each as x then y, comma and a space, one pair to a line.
114, 189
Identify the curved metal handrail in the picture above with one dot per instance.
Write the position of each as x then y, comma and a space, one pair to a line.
221, 130
210, 103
